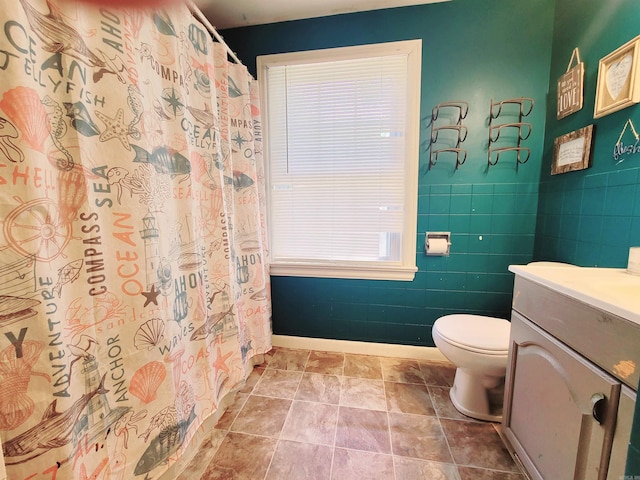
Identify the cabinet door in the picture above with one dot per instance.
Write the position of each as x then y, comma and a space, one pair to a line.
622, 436
559, 411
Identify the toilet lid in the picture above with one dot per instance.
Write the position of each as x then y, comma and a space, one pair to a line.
475, 332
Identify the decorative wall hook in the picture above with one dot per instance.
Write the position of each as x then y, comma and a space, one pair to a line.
525, 105
462, 132
523, 130
463, 110
519, 156
461, 156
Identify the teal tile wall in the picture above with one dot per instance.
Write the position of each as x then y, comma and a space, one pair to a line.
592, 221
591, 217
491, 212
478, 51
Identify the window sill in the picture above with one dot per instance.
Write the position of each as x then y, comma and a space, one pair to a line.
362, 272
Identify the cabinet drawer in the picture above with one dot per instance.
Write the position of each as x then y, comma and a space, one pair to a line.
606, 339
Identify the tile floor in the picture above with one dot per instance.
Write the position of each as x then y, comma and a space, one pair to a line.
323, 415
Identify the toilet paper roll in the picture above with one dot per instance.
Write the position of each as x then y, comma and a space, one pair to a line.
437, 246
634, 261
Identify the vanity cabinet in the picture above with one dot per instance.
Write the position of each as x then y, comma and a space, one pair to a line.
569, 401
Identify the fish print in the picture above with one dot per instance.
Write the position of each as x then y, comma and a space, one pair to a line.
164, 160
57, 36
163, 23
239, 181
234, 91
67, 274
168, 441
54, 430
81, 119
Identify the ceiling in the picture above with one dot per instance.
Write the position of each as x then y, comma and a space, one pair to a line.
241, 13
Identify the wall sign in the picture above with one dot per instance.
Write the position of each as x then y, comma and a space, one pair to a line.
620, 150
570, 87
618, 79
572, 151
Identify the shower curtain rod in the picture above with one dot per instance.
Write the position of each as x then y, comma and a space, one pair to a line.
200, 16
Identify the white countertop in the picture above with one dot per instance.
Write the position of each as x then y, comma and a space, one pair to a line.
610, 289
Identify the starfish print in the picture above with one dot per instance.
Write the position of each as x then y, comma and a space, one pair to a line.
219, 363
151, 296
173, 100
239, 139
114, 128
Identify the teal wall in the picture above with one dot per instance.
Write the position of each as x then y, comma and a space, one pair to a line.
591, 217
472, 51
478, 51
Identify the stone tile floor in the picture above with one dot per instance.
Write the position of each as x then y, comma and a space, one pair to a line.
323, 415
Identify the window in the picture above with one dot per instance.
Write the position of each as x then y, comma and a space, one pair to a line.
342, 160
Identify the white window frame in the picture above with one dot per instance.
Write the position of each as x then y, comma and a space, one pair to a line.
405, 268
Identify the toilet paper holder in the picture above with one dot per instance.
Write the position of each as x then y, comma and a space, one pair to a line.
437, 243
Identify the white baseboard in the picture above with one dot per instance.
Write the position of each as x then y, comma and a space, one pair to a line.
359, 348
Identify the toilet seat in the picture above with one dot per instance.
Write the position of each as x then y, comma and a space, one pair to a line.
475, 333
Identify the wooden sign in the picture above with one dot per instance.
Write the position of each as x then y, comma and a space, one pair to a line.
572, 151
570, 87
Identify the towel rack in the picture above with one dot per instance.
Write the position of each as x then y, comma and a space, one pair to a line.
522, 130
454, 132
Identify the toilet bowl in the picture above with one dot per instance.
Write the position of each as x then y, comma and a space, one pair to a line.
478, 346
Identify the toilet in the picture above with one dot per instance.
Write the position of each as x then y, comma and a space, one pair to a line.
479, 347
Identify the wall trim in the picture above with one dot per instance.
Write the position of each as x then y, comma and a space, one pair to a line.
359, 348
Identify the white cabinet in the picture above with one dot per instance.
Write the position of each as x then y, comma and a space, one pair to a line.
622, 434
553, 399
566, 415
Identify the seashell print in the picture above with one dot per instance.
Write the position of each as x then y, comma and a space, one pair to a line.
23, 107
72, 193
202, 83
149, 334
146, 381
15, 373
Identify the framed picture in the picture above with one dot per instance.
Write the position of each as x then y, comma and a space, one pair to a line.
572, 151
618, 79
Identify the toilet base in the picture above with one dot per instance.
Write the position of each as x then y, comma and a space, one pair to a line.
470, 395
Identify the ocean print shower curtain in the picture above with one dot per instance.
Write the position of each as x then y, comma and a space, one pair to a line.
133, 286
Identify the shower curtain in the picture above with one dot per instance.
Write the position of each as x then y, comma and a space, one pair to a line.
133, 285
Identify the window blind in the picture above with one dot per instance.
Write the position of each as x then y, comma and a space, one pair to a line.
337, 159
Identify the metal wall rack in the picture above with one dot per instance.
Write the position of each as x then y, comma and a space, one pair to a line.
521, 130
454, 132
